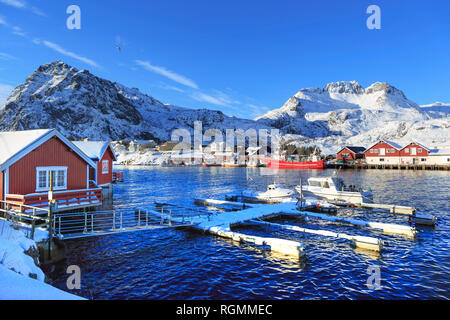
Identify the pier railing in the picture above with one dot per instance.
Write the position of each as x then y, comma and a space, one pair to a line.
95, 223
117, 176
36, 217
65, 199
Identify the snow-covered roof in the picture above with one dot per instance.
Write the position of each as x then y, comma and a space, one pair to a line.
439, 152
355, 149
16, 144
419, 144
14, 141
93, 149
395, 145
392, 144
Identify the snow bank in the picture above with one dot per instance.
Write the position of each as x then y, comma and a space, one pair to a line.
14, 286
13, 245
17, 268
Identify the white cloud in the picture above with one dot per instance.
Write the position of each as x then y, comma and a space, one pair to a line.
73, 55
20, 4
257, 111
168, 74
5, 56
169, 87
18, 31
14, 3
5, 91
3, 21
219, 98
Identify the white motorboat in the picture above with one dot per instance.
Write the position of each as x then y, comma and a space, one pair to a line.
275, 193
334, 188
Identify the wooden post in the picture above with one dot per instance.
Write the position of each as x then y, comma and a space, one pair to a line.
50, 215
301, 193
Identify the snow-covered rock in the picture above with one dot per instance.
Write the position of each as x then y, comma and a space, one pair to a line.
346, 113
82, 105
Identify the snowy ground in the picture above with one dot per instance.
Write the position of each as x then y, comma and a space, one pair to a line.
17, 268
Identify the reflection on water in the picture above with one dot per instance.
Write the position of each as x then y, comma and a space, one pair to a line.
177, 264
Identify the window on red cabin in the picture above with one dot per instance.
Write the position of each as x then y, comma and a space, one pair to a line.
58, 178
105, 166
419, 150
407, 150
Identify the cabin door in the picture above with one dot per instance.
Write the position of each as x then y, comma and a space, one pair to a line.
413, 151
382, 151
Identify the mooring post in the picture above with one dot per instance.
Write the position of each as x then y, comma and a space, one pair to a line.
59, 232
139, 218
146, 218
51, 203
114, 220
85, 221
32, 224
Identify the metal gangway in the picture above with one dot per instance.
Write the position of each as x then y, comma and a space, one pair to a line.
82, 224
75, 225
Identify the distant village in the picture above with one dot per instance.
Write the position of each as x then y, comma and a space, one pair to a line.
81, 173
383, 152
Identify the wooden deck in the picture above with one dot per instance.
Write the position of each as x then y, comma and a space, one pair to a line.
441, 167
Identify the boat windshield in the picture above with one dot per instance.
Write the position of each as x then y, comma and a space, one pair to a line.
314, 183
339, 184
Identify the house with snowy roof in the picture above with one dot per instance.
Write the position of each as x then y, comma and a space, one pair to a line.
103, 155
34, 161
383, 152
350, 153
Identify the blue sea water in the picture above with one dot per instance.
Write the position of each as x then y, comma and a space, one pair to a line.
179, 264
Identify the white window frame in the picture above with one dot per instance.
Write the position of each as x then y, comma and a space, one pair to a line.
103, 167
48, 169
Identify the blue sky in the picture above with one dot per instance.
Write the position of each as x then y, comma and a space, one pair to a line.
242, 57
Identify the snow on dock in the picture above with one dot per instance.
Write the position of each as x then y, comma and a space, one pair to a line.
362, 242
220, 225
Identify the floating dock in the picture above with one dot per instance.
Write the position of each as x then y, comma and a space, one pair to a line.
220, 224
420, 219
362, 242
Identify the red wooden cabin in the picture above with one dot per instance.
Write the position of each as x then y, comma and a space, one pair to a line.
28, 157
383, 152
414, 153
351, 153
102, 154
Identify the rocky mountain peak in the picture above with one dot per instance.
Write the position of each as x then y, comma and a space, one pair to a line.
352, 87
385, 88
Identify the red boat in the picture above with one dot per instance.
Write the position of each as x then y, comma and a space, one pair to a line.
279, 164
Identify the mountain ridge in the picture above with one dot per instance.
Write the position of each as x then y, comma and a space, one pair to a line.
82, 105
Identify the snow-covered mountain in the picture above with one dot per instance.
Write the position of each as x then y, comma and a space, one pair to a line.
82, 105
346, 113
